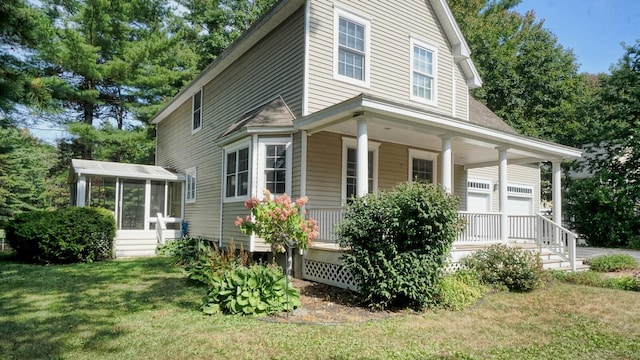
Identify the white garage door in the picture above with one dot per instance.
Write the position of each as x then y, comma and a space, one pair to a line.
517, 205
478, 202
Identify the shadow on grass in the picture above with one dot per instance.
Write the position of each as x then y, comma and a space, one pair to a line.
48, 310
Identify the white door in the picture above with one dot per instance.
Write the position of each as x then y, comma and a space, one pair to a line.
478, 202
517, 205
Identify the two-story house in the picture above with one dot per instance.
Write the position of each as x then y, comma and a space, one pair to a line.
331, 99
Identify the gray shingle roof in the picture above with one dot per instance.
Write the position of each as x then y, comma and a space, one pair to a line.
481, 115
272, 114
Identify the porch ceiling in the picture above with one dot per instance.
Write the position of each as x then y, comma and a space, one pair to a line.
473, 145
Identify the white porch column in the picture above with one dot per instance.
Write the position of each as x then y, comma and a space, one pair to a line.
502, 181
362, 159
557, 192
81, 190
446, 164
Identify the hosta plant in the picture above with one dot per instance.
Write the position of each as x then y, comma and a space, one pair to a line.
255, 290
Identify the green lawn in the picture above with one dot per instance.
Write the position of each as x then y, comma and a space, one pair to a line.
145, 309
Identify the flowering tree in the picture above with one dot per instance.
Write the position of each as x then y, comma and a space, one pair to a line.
279, 221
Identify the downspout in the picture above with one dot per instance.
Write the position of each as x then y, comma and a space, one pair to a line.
221, 198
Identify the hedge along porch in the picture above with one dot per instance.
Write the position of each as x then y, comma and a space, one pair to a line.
147, 201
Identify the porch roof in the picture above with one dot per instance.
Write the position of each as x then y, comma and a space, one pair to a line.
474, 141
130, 171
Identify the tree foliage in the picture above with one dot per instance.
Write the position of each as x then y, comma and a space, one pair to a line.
530, 80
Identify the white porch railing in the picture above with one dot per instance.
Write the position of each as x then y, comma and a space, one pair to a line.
328, 219
479, 227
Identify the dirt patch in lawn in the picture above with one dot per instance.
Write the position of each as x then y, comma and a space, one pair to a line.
632, 273
324, 304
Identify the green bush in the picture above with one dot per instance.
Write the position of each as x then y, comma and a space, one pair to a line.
255, 290
76, 234
459, 290
612, 262
506, 266
398, 243
202, 259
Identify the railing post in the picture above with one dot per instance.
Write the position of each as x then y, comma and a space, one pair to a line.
572, 250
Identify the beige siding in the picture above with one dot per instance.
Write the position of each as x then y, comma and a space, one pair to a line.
274, 66
461, 95
295, 168
231, 231
324, 170
460, 186
528, 174
392, 24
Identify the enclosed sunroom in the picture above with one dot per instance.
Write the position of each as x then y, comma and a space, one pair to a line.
146, 201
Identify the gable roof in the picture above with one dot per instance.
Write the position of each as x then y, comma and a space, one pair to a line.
278, 14
275, 113
480, 114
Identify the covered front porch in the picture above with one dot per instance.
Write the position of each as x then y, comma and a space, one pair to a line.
146, 201
366, 143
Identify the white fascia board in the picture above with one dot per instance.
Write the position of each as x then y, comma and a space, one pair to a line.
257, 130
172, 177
246, 41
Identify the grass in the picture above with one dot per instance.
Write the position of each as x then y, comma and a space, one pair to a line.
144, 308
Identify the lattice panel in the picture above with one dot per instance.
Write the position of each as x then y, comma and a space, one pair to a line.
330, 274
451, 267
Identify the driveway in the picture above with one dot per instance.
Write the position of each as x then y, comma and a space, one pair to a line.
587, 252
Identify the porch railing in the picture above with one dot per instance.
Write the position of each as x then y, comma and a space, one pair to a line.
328, 219
479, 227
161, 226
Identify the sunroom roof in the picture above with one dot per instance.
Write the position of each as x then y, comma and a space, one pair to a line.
131, 171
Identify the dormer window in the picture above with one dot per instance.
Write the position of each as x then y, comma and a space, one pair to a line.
423, 72
196, 119
351, 48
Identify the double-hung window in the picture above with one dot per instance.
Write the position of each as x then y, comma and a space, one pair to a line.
274, 167
422, 166
423, 72
350, 166
196, 118
351, 59
191, 182
237, 172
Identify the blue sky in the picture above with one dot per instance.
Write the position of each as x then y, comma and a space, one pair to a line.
594, 29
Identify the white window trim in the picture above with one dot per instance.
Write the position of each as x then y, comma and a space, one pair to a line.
434, 91
191, 172
193, 131
243, 144
351, 143
364, 21
262, 146
424, 155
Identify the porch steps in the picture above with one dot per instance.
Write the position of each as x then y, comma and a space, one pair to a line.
140, 244
550, 260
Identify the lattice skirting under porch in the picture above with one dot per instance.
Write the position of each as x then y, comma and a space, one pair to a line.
330, 274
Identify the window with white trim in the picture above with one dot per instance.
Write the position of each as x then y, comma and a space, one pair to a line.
236, 172
422, 166
350, 165
351, 47
191, 182
423, 72
274, 171
196, 118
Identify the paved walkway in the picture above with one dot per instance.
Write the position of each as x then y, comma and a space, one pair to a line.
587, 252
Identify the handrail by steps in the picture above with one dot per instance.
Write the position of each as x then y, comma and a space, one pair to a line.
557, 239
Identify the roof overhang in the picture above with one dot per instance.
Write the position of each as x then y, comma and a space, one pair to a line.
397, 115
278, 14
81, 167
459, 46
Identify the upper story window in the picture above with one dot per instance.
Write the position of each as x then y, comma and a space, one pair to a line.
422, 166
196, 118
274, 172
351, 48
191, 174
236, 172
350, 166
423, 72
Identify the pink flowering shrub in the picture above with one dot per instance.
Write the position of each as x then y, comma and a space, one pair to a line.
277, 221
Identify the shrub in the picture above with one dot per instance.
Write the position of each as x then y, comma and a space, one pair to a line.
76, 234
398, 243
256, 290
459, 290
203, 260
505, 266
613, 262
591, 278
